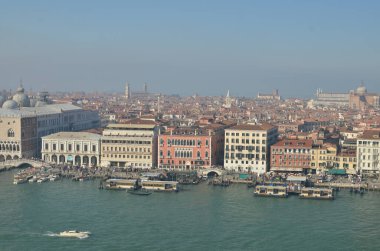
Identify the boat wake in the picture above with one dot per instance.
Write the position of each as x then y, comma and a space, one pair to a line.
51, 234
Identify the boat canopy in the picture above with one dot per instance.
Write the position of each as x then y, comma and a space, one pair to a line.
337, 172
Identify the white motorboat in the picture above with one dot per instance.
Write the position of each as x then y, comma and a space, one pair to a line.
42, 179
74, 234
53, 177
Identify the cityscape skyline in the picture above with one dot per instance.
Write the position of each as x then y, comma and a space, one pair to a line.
191, 47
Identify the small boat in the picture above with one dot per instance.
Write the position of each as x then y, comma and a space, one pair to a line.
42, 179
141, 191
19, 181
74, 233
53, 177
34, 179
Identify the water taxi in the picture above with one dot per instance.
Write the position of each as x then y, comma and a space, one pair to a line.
271, 191
316, 193
74, 233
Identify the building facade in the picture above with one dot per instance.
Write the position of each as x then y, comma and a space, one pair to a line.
18, 136
75, 148
368, 153
32, 123
133, 144
247, 147
291, 156
191, 148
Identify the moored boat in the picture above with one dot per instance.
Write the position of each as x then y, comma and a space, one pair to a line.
271, 191
141, 191
316, 193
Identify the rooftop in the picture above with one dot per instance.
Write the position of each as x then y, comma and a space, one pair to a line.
251, 127
74, 135
371, 134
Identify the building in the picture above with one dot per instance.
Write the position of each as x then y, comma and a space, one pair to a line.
33, 118
273, 96
291, 156
18, 136
323, 158
247, 147
191, 148
346, 161
329, 99
127, 91
368, 153
132, 144
32, 123
361, 99
75, 148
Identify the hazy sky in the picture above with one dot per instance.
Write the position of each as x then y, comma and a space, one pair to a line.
191, 46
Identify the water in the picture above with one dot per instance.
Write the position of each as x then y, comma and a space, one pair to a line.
201, 218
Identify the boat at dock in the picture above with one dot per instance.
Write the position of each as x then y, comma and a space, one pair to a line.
151, 185
141, 191
42, 179
21, 178
271, 191
316, 193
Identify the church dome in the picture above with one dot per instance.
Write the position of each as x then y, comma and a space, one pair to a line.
10, 104
361, 90
21, 98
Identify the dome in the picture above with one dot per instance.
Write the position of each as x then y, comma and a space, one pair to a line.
361, 90
10, 104
21, 99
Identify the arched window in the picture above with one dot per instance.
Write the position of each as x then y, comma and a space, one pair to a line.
206, 155
11, 133
198, 154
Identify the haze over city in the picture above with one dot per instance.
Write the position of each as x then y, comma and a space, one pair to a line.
187, 47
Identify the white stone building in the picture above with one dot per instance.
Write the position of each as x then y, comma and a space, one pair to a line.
247, 147
76, 148
368, 152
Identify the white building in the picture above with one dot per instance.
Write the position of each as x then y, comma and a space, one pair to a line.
133, 144
247, 147
368, 152
76, 148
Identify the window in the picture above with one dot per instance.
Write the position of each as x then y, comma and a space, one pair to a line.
54, 147
70, 147
94, 148
78, 148
46, 146
11, 133
85, 147
62, 147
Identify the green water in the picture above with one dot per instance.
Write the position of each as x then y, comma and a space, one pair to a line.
200, 218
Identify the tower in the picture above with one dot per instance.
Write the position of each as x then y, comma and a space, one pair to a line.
228, 100
146, 88
127, 91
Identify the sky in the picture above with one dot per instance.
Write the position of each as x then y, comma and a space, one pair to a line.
187, 47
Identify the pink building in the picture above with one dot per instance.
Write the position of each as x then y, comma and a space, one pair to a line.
191, 148
291, 155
